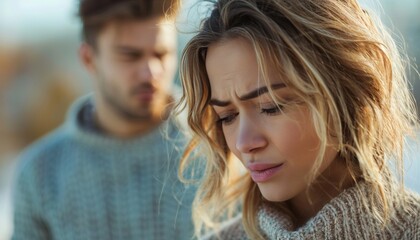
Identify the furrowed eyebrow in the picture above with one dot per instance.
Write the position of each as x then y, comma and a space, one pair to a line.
253, 94
260, 91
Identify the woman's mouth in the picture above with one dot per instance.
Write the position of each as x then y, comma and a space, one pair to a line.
261, 172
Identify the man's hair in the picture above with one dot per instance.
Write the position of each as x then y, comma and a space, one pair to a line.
95, 14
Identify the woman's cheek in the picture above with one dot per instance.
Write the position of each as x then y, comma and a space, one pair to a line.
287, 137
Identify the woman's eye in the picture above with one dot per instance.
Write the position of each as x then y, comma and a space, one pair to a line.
228, 119
272, 110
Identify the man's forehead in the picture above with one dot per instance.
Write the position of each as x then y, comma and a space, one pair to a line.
143, 34
141, 25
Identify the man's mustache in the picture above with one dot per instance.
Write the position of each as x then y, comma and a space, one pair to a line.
144, 87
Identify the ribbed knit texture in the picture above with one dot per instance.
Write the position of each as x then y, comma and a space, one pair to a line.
344, 217
78, 184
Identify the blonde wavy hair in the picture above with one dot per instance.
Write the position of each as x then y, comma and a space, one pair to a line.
344, 66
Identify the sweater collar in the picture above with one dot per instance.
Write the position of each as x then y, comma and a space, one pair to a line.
275, 224
81, 125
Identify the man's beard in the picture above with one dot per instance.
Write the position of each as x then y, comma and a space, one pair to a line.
123, 110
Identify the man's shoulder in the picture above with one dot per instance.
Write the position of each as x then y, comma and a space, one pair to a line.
44, 150
57, 139
173, 132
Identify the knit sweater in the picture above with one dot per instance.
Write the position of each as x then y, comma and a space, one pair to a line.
78, 183
344, 217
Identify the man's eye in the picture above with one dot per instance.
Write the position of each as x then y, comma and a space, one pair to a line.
131, 56
160, 55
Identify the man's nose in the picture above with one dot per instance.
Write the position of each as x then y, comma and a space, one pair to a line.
150, 70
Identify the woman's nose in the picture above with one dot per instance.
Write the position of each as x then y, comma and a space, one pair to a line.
249, 136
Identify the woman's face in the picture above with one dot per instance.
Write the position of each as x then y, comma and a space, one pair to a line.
277, 144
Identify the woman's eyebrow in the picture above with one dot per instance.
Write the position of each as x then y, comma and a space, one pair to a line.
260, 91
253, 94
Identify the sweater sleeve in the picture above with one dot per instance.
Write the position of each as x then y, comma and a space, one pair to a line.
28, 215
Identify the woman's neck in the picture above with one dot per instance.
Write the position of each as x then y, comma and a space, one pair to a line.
334, 180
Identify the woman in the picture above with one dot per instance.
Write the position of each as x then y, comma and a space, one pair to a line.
312, 98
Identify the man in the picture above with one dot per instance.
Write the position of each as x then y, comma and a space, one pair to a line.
110, 171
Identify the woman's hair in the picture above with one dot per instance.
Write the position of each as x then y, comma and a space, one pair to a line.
341, 63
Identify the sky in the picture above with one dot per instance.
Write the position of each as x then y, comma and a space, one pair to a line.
32, 20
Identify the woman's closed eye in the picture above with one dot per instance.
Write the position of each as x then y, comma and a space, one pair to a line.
274, 110
227, 119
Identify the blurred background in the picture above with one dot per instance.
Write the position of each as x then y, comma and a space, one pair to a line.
40, 74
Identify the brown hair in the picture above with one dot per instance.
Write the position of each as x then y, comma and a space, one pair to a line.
95, 14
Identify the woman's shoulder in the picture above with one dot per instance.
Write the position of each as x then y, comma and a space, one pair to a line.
408, 215
231, 229
411, 206
409, 203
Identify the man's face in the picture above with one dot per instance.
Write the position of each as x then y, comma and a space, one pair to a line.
134, 66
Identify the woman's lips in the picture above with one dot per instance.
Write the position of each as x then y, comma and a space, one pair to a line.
261, 172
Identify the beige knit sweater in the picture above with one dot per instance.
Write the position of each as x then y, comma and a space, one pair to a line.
344, 217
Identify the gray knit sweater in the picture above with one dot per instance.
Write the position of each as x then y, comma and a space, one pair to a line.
77, 183
344, 217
